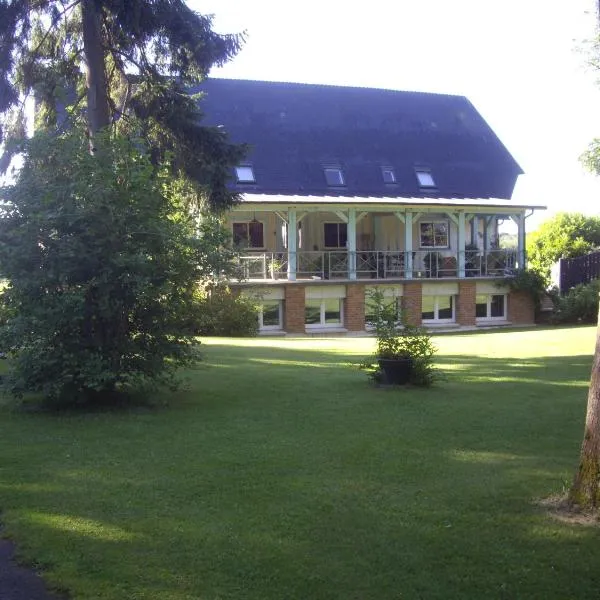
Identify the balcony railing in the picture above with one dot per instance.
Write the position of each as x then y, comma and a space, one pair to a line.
375, 264
265, 265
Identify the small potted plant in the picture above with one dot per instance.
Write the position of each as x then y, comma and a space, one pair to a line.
275, 266
403, 353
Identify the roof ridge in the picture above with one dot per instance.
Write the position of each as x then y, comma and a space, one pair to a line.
334, 86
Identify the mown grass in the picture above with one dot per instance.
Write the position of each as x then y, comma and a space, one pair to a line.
280, 473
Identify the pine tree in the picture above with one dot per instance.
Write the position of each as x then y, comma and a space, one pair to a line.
120, 63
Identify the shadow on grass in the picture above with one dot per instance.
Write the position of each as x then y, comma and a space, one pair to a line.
281, 473
565, 370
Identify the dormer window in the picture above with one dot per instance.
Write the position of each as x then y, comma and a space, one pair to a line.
388, 174
425, 178
334, 176
245, 174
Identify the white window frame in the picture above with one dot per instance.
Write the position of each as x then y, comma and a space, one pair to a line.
247, 223
392, 172
488, 316
262, 326
433, 222
436, 309
245, 174
338, 223
339, 172
425, 178
321, 324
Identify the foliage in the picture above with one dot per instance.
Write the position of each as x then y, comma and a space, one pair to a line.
102, 258
508, 241
5, 311
590, 159
579, 305
106, 62
395, 341
275, 267
472, 260
566, 235
220, 312
432, 261
528, 281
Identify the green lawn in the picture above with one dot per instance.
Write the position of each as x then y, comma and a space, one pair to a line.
281, 474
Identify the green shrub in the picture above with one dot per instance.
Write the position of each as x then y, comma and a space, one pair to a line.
565, 235
218, 311
102, 254
530, 282
5, 310
580, 304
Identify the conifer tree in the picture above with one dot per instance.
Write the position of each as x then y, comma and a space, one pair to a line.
106, 61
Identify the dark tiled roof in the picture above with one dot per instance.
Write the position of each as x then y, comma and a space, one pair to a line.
294, 130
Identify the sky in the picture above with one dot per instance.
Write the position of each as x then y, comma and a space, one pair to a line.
522, 63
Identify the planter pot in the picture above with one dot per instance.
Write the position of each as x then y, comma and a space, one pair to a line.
396, 370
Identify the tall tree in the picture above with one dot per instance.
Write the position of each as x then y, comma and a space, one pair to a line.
565, 235
103, 254
585, 491
108, 60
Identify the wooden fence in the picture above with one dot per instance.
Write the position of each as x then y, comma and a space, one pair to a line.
582, 269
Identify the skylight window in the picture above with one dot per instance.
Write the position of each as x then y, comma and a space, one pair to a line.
334, 176
388, 174
245, 174
425, 178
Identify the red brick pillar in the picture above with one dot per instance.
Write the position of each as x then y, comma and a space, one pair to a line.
521, 310
465, 311
412, 302
294, 309
354, 307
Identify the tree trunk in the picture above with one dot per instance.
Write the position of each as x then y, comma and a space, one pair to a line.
97, 93
585, 490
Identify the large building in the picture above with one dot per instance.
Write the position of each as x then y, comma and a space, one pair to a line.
348, 188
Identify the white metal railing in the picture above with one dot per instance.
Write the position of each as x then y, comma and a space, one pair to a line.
491, 263
378, 264
263, 265
310, 265
433, 264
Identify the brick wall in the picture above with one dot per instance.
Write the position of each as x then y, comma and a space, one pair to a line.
412, 302
294, 309
521, 310
465, 309
354, 307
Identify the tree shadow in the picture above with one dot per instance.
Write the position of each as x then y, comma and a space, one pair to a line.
282, 473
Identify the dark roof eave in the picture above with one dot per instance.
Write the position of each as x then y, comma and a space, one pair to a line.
466, 203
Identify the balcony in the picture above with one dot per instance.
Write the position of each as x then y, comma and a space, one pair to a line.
374, 264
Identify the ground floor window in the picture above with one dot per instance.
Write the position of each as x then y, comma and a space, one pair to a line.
438, 309
490, 306
270, 315
324, 312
